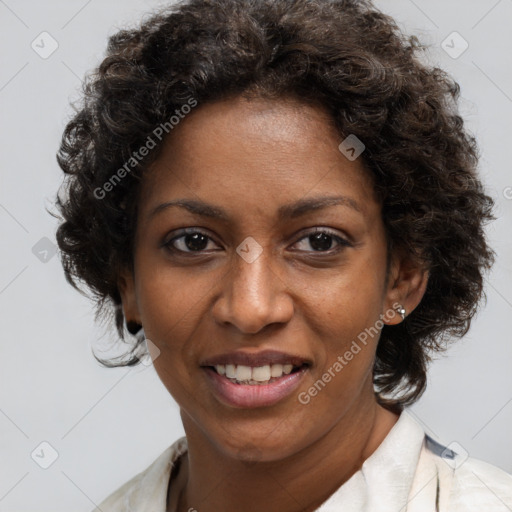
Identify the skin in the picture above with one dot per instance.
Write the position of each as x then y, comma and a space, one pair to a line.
250, 158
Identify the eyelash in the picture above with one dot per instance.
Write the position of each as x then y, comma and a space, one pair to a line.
192, 231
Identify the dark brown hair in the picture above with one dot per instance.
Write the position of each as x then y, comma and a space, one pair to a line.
342, 54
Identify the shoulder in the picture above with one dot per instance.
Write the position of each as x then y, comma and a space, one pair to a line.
471, 484
146, 490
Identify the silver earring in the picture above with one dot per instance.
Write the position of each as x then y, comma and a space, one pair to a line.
401, 312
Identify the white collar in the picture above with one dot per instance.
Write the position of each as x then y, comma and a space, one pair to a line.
385, 479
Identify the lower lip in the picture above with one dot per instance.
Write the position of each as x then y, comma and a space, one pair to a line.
258, 395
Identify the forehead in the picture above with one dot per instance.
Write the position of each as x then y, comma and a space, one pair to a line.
255, 156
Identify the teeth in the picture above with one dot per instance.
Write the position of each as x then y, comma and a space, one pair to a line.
230, 371
242, 373
276, 370
261, 373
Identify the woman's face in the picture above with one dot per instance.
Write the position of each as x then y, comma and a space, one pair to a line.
265, 267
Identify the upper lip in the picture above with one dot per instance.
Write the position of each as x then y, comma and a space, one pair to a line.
255, 359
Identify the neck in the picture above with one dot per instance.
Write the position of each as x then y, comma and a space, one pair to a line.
210, 481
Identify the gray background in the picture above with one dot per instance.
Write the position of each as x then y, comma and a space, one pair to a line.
108, 424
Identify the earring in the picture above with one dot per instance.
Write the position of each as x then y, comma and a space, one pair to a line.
133, 327
401, 312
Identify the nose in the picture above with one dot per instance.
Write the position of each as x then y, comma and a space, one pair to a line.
253, 296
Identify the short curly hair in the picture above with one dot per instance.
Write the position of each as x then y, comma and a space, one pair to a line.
344, 55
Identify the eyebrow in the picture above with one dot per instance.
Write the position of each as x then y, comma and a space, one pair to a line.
288, 211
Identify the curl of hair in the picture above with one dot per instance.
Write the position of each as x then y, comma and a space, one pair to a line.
342, 54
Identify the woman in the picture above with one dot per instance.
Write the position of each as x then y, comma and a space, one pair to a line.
281, 203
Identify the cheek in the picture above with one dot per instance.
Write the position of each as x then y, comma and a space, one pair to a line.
345, 354
169, 301
348, 300
345, 314
170, 309
173, 305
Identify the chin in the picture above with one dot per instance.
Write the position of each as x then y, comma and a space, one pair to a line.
258, 448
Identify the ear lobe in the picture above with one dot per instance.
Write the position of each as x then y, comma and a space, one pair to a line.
407, 285
126, 285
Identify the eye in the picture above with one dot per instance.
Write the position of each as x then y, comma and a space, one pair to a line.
321, 240
189, 241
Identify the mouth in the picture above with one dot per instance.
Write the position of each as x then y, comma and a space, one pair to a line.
244, 379
257, 375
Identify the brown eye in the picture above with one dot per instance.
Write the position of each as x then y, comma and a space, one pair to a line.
322, 241
188, 242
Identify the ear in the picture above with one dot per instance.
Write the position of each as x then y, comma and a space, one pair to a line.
406, 286
126, 285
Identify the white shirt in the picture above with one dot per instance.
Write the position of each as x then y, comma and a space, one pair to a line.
409, 472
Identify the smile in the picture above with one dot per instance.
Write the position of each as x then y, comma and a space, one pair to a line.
255, 376
250, 387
